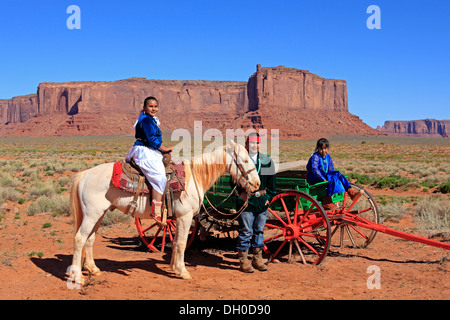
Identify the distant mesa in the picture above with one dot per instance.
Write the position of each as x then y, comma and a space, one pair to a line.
417, 128
298, 103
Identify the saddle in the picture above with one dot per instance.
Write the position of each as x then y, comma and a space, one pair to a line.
130, 178
126, 176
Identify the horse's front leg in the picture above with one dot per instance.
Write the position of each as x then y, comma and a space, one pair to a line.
182, 233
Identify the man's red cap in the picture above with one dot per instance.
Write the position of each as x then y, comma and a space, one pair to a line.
253, 139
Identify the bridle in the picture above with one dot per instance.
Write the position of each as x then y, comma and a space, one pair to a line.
244, 174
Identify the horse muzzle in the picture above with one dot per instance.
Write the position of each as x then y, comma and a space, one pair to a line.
254, 185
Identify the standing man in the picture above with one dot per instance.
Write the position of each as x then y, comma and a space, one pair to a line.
253, 218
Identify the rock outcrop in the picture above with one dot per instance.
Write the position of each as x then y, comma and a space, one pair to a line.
295, 89
18, 109
3, 111
297, 102
127, 96
417, 128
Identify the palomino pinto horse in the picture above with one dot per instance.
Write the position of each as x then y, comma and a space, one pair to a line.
93, 195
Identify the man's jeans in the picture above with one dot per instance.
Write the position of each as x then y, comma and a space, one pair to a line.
251, 230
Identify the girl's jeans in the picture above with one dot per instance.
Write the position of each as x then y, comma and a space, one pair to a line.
251, 230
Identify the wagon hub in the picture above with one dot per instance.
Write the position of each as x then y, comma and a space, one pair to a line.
291, 231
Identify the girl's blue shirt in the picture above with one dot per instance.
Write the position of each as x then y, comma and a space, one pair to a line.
318, 167
147, 132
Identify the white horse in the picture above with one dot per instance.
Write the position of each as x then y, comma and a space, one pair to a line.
93, 195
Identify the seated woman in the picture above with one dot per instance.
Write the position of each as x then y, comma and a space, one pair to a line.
147, 151
320, 168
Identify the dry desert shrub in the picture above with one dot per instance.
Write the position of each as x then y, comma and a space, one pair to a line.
56, 205
7, 180
9, 194
392, 211
76, 165
433, 214
42, 188
115, 216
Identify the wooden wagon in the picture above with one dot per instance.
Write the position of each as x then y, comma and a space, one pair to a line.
298, 227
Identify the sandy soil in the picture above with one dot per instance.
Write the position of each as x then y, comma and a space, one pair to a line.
408, 270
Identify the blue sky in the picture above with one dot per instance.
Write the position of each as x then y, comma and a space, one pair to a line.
400, 72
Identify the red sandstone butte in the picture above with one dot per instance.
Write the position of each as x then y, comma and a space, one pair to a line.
298, 103
417, 128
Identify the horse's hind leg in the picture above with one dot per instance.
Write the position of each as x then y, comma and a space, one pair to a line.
85, 236
75, 269
89, 263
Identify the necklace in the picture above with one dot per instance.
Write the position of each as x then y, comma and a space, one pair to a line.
259, 167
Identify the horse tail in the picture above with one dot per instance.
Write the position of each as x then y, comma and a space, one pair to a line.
75, 204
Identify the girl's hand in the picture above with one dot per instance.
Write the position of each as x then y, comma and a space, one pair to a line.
166, 149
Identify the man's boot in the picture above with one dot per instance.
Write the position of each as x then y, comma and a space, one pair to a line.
245, 265
258, 262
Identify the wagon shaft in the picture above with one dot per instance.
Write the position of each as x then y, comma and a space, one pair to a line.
392, 232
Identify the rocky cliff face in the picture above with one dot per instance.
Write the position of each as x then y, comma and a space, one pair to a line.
127, 96
295, 89
3, 111
291, 100
18, 109
417, 128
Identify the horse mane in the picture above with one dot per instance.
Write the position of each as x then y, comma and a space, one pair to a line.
207, 168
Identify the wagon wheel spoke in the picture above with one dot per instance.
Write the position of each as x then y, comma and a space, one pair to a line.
359, 232
172, 229
273, 238
152, 226
279, 248
290, 251
297, 200
309, 246
350, 235
273, 226
278, 217
286, 211
163, 245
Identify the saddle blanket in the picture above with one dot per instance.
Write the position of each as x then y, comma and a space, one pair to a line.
178, 177
126, 177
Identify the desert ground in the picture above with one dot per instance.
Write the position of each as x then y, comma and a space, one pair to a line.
36, 233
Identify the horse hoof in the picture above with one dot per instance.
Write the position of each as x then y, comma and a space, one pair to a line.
186, 276
75, 281
95, 271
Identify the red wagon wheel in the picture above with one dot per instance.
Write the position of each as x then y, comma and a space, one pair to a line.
157, 238
297, 222
364, 209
